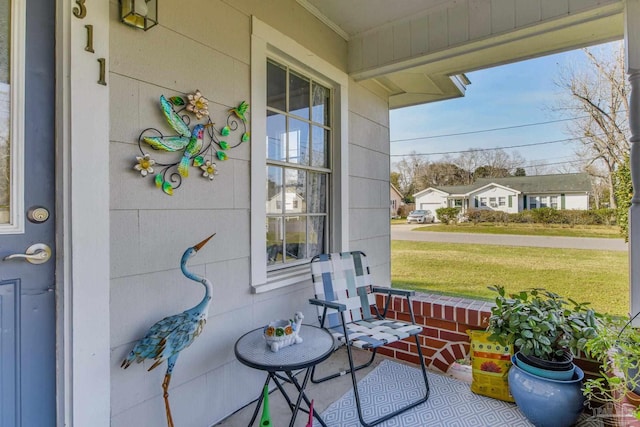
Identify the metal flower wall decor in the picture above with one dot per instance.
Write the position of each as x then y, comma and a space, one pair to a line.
197, 146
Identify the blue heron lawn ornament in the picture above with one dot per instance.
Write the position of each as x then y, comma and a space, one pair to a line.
168, 337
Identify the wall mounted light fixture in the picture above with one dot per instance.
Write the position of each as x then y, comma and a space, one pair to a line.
139, 13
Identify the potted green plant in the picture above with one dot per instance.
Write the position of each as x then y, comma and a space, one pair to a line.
545, 329
617, 347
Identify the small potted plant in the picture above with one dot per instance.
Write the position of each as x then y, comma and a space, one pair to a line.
546, 330
617, 347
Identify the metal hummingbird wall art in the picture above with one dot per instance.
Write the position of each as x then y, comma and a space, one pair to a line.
198, 146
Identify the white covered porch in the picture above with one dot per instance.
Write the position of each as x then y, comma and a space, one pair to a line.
382, 55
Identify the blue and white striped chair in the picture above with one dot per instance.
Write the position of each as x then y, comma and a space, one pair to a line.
347, 308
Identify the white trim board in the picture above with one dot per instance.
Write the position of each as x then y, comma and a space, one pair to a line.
266, 41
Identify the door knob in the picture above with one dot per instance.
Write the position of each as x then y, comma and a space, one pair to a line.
38, 253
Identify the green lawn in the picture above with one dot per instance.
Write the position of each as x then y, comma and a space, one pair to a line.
603, 231
599, 277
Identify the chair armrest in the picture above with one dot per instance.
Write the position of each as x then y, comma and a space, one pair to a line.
392, 291
328, 304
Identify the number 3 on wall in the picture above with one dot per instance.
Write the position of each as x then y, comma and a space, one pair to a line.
81, 10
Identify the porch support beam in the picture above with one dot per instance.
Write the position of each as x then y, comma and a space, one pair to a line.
632, 55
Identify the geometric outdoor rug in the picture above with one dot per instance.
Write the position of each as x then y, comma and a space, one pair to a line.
451, 402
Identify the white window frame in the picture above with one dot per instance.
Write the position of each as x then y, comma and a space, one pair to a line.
544, 201
266, 42
16, 126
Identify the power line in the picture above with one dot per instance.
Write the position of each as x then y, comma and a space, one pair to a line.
486, 130
489, 149
566, 162
493, 129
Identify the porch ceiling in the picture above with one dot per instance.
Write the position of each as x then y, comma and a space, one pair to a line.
419, 50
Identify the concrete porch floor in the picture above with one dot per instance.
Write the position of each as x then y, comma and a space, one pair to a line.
323, 394
326, 393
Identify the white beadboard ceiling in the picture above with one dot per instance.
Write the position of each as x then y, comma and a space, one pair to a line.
419, 50
354, 17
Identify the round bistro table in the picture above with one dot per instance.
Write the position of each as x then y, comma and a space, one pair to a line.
317, 345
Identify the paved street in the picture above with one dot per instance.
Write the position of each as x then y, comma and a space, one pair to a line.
403, 232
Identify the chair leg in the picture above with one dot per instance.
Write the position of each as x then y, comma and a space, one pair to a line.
399, 411
341, 373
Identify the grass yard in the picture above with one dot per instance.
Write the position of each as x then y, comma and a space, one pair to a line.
602, 231
598, 277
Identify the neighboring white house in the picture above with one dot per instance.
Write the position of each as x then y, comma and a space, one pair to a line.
512, 195
293, 202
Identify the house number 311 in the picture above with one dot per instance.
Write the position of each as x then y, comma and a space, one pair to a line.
80, 12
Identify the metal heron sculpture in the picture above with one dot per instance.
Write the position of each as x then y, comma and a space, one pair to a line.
168, 337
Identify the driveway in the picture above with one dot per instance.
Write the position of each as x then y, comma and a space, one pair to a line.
404, 232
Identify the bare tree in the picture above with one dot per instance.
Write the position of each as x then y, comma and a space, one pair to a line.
600, 185
414, 173
489, 163
468, 161
597, 98
498, 163
409, 170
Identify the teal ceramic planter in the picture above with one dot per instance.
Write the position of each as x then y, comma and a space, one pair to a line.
546, 402
553, 374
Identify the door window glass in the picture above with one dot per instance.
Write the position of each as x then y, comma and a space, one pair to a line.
5, 114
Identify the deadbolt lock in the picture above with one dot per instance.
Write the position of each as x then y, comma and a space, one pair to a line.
38, 214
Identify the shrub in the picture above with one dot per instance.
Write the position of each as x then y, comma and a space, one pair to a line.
404, 210
473, 215
448, 215
486, 215
524, 217
604, 216
548, 216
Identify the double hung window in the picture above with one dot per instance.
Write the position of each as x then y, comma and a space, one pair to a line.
298, 143
299, 159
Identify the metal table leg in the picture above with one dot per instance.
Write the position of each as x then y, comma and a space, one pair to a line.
302, 396
255, 412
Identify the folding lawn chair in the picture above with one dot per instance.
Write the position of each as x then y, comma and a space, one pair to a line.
347, 308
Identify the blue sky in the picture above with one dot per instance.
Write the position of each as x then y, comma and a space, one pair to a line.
509, 95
